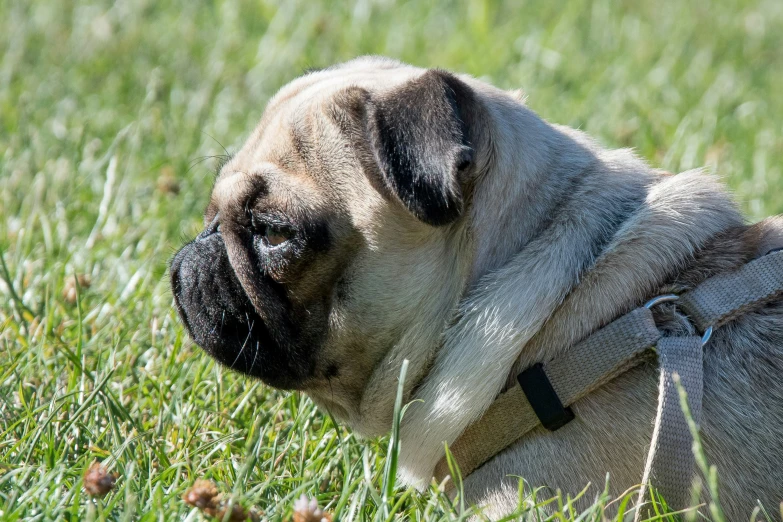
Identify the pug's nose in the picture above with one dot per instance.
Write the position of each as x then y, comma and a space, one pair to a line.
212, 228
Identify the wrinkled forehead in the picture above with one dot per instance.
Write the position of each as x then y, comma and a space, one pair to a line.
234, 189
372, 73
290, 132
295, 105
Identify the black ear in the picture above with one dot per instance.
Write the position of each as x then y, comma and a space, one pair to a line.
420, 139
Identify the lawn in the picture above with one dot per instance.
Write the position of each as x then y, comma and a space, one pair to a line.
113, 116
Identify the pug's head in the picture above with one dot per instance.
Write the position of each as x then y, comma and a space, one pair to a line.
337, 230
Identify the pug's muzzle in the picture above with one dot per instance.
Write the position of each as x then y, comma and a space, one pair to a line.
221, 319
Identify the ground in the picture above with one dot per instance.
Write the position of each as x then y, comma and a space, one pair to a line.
111, 118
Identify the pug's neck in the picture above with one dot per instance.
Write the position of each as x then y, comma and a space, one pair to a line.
551, 209
535, 174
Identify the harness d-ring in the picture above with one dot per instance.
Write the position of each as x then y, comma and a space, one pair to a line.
668, 298
706, 337
661, 299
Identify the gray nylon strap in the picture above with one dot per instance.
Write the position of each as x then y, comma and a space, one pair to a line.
726, 296
615, 349
598, 359
670, 462
609, 352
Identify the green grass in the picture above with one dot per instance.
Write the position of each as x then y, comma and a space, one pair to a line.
103, 104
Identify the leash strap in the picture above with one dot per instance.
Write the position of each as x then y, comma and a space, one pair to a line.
615, 349
670, 461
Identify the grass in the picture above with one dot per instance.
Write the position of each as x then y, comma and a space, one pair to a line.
110, 116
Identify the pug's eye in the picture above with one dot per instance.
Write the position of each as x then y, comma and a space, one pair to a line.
274, 235
271, 234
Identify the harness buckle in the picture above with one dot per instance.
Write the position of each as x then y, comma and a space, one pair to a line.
543, 398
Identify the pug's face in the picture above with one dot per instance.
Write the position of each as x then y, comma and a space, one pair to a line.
333, 228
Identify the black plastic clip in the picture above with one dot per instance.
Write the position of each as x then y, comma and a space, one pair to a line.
543, 398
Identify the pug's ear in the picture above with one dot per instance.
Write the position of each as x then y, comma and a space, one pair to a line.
420, 136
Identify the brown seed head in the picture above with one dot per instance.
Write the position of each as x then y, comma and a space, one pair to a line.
233, 513
69, 289
203, 495
167, 181
98, 481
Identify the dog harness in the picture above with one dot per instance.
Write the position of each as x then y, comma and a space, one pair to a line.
546, 390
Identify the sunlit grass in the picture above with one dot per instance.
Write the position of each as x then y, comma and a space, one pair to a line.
109, 113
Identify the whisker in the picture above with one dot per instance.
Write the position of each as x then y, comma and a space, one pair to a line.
249, 333
255, 356
216, 141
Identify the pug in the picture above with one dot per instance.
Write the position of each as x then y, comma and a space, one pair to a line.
382, 212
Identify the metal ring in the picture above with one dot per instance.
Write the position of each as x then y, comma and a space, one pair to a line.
668, 298
706, 337
661, 299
